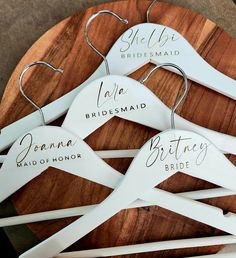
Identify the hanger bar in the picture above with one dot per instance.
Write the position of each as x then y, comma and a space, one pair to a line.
104, 154
152, 247
79, 211
116, 154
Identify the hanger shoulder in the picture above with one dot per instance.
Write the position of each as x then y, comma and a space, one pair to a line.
161, 44
184, 151
51, 146
201, 72
112, 96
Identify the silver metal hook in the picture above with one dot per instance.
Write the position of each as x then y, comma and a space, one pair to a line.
150, 9
185, 87
89, 41
21, 88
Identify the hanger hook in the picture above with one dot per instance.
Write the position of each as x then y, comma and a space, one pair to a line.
181, 98
89, 41
21, 88
150, 9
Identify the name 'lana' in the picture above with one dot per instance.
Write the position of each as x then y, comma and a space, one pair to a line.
28, 141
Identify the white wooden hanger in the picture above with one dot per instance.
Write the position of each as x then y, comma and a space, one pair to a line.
121, 96
163, 40
47, 146
161, 157
129, 99
27, 157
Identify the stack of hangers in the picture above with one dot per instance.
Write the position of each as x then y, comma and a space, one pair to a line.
182, 146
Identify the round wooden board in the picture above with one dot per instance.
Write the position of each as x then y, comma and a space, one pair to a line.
64, 46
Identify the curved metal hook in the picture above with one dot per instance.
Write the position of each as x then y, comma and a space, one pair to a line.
150, 9
185, 87
21, 88
89, 41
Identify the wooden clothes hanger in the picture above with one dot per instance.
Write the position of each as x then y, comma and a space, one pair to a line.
169, 40
47, 146
121, 96
52, 146
151, 166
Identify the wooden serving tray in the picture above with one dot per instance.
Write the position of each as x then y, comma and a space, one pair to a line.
64, 46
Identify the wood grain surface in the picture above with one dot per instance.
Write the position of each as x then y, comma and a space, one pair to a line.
64, 46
